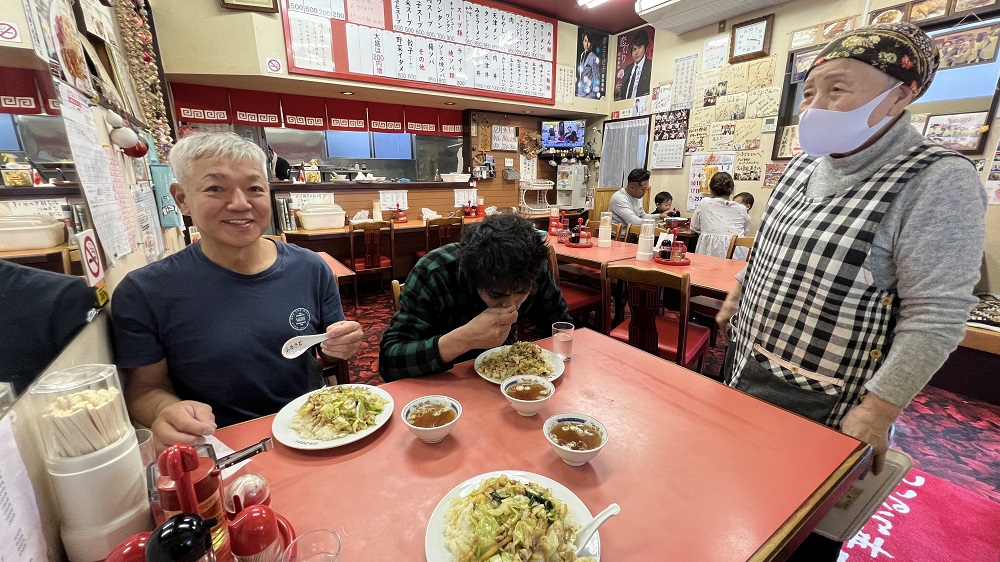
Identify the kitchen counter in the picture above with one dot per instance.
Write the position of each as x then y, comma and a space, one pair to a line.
281, 186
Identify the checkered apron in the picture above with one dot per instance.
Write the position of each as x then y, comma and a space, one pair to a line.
810, 316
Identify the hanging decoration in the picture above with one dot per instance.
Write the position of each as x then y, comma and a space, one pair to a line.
133, 20
531, 144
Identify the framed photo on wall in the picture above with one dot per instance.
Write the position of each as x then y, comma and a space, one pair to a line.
802, 63
892, 14
968, 46
962, 132
928, 10
266, 6
963, 5
751, 39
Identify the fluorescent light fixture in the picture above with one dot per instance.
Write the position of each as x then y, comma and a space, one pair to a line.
347, 93
590, 3
449, 103
643, 6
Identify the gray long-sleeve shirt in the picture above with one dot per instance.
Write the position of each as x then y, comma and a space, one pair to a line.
929, 247
627, 210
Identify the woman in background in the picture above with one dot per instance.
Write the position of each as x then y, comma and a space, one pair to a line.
717, 219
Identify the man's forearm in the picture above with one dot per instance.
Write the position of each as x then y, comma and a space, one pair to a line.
146, 401
452, 345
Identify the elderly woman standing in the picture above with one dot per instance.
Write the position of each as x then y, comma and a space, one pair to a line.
717, 219
849, 302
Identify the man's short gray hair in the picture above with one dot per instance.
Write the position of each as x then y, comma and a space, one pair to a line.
222, 146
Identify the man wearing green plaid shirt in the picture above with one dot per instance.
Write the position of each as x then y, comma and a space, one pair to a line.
465, 297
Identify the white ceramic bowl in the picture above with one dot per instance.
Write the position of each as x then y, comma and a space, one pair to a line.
456, 177
432, 434
527, 407
569, 456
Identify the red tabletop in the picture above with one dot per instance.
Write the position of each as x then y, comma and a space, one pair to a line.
713, 276
595, 256
701, 472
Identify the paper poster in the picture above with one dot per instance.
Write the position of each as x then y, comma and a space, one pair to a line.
312, 42
393, 199
716, 52
707, 88
747, 135
366, 12
789, 144
116, 173
99, 20
684, 74
733, 79
702, 116
147, 216
465, 197
301, 199
704, 165
528, 167
634, 63
721, 135
919, 121
730, 107
504, 138
91, 169
565, 83
763, 102
641, 106
591, 63
697, 140
749, 165
24, 207
21, 536
669, 139
992, 192
662, 98
627, 112
321, 8
772, 173
760, 72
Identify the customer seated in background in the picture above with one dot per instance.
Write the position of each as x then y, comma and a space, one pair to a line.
717, 219
199, 333
467, 296
745, 199
665, 204
626, 203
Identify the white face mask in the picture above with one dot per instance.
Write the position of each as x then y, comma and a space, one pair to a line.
825, 131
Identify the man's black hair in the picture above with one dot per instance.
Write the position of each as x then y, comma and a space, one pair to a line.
641, 38
638, 175
503, 254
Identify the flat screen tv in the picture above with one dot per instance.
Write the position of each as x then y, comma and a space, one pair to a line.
563, 134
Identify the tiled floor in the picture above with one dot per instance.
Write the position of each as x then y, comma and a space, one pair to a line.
947, 435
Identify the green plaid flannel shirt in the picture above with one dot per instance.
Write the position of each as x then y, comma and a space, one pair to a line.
436, 301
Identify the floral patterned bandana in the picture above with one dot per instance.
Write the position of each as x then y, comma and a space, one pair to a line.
901, 50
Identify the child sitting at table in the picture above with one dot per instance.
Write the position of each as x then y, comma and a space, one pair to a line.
744, 199
717, 219
664, 204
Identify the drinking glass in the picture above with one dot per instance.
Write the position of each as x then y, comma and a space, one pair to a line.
562, 339
147, 450
320, 545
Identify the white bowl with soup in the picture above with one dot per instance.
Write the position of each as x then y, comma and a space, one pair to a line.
576, 438
527, 393
431, 418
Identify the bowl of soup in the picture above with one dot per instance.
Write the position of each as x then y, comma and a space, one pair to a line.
431, 418
576, 438
527, 393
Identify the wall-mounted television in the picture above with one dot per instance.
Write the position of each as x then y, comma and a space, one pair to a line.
563, 134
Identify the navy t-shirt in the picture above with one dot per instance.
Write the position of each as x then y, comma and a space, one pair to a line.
221, 332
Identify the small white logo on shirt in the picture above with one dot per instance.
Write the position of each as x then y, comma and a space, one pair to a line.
299, 319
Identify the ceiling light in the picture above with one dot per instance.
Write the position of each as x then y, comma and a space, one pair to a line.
449, 103
347, 93
642, 6
590, 3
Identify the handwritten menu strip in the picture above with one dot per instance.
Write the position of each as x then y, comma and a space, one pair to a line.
116, 173
312, 42
321, 8
51, 207
91, 164
763, 102
149, 223
684, 75
366, 12
565, 83
21, 536
504, 138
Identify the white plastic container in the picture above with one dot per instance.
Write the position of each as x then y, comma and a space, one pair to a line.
864, 498
32, 232
318, 217
456, 177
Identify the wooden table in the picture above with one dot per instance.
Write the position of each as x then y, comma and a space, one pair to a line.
702, 472
982, 339
343, 274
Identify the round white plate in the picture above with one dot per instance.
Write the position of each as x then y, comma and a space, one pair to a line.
291, 438
434, 547
557, 364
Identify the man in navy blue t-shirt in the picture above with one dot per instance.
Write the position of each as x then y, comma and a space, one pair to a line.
200, 332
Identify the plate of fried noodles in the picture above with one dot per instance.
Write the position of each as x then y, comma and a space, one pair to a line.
509, 516
332, 416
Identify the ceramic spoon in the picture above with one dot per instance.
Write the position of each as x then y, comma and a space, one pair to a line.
588, 530
299, 344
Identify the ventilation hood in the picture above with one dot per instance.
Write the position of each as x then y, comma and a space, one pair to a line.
681, 16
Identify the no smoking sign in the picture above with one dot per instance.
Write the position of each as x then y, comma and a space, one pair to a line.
91, 258
274, 66
9, 32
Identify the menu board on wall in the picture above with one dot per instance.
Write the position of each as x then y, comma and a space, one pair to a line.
458, 46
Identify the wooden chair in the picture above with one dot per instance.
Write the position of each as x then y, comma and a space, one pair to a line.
672, 336
397, 290
367, 257
589, 276
705, 309
580, 300
637, 228
445, 232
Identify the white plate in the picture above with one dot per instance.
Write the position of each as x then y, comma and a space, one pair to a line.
291, 438
557, 364
434, 547
365, 181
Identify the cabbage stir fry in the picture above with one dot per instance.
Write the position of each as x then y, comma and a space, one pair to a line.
504, 520
521, 358
337, 411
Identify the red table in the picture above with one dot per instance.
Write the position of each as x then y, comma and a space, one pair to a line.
343, 274
710, 276
702, 472
595, 256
